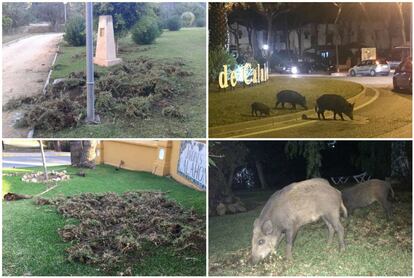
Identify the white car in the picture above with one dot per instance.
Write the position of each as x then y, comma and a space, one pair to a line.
371, 68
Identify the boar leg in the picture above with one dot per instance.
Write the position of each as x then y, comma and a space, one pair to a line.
331, 230
386, 205
290, 238
334, 220
334, 115
293, 106
342, 117
277, 103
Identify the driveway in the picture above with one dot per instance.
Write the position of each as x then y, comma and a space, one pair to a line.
26, 64
34, 159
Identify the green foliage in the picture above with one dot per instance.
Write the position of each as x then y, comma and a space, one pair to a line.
105, 102
146, 31
216, 59
75, 32
373, 158
310, 151
168, 10
187, 19
18, 12
174, 23
7, 24
125, 15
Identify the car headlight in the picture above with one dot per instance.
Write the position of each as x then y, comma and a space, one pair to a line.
294, 70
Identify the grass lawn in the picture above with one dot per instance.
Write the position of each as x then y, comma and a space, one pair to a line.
186, 45
233, 106
374, 247
32, 246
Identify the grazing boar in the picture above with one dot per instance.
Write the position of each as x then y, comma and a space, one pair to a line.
366, 193
334, 103
260, 107
292, 97
290, 208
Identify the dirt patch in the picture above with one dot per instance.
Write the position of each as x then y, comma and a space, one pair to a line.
117, 231
39, 177
135, 90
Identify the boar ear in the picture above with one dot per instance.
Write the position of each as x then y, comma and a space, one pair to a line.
267, 227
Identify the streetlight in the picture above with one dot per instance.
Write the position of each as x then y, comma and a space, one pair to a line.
265, 47
90, 97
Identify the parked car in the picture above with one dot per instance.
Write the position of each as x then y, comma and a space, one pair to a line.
295, 68
403, 76
371, 68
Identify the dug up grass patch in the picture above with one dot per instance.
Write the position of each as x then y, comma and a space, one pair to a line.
133, 90
115, 232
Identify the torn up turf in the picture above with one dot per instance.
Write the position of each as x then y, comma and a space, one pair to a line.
117, 231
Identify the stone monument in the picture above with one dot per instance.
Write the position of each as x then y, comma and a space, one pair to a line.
105, 55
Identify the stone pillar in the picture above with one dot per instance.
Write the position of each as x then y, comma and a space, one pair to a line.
163, 161
105, 54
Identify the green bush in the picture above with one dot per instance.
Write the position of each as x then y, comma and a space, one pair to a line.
75, 31
174, 23
7, 24
216, 59
200, 22
146, 31
187, 19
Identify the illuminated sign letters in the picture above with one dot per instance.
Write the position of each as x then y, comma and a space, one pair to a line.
243, 74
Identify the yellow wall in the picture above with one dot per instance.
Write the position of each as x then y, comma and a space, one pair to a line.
142, 155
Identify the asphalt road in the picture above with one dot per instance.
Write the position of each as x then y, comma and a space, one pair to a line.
379, 112
34, 159
26, 64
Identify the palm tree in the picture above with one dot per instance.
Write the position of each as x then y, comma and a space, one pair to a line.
83, 153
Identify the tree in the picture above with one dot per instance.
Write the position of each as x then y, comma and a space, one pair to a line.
217, 26
18, 12
50, 12
42, 152
83, 153
124, 15
270, 11
310, 151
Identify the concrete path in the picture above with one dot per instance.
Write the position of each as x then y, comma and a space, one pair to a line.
26, 64
34, 159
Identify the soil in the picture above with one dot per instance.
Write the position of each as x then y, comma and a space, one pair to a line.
26, 64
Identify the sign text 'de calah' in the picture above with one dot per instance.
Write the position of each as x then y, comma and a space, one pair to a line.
245, 74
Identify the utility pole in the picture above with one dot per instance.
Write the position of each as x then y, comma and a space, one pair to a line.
64, 6
90, 98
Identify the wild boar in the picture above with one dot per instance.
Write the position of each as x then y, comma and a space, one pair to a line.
292, 97
334, 103
366, 193
290, 208
260, 107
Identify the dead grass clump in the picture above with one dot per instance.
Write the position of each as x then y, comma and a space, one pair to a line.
116, 231
172, 112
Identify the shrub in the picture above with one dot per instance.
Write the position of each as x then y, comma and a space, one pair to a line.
75, 32
187, 18
7, 24
200, 22
216, 59
146, 31
174, 23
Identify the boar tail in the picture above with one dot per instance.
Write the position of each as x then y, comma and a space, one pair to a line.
344, 210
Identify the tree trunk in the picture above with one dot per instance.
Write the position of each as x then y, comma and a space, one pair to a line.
75, 153
400, 11
43, 160
259, 168
269, 51
88, 154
